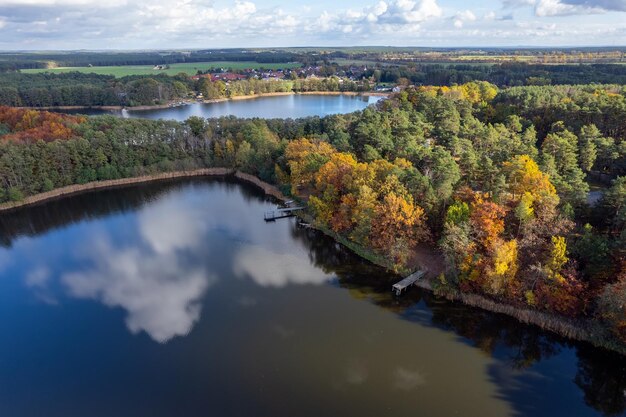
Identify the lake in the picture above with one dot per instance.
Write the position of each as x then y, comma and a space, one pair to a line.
289, 106
177, 299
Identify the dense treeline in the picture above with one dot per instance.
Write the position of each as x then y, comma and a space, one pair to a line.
100, 148
219, 89
574, 105
78, 89
39, 90
508, 74
491, 178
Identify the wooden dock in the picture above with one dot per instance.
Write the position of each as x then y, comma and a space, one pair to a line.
401, 286
281, 213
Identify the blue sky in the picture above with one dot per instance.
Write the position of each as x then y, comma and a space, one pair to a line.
158, 24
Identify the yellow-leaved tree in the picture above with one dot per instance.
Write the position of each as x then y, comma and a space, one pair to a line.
398, 224
304, 160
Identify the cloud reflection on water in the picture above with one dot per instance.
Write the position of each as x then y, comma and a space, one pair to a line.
159, 292
406, 379
5, 259
152, 280
38, 277
273, 269
157, 273
356, 373
38, 280
170, 225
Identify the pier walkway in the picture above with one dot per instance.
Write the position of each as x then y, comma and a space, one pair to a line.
401, 286
281, 213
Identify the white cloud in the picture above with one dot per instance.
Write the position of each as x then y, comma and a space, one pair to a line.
406, 11
466, 15
48, 3
553, 8
512, 4
380, 18
544, 8
116, 23
462, 17
125, 24
597, 5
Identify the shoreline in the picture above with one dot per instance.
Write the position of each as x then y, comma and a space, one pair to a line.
70, 190
174, 103
53, 108
585, 330
582, 330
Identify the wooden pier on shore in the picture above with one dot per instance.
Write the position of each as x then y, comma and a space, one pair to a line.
281, 213
401, 286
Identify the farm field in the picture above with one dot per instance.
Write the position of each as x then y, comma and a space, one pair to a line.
189, 68
348, 61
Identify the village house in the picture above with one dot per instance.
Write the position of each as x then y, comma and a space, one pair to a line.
228, 76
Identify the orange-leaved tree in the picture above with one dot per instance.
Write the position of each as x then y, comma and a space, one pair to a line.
33, 125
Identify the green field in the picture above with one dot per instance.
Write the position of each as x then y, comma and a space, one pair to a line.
190, 68
348, 61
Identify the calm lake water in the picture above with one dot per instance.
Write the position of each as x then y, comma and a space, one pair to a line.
292, 106
177, 299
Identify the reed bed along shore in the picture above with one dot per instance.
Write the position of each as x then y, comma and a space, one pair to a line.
97, 185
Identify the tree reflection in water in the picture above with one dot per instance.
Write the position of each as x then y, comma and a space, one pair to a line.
602, 377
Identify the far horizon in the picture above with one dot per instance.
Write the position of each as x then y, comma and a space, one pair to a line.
321, 47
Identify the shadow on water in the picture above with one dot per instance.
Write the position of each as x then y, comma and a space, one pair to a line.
599, 374
524, 356
47, 216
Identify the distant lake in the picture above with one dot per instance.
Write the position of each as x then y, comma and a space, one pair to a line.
177, 299
289, 106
